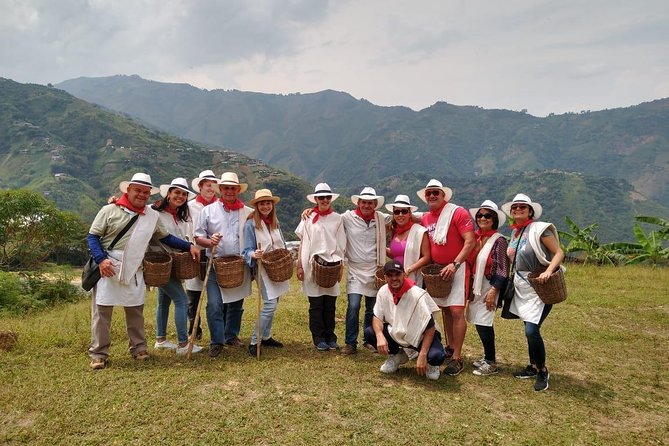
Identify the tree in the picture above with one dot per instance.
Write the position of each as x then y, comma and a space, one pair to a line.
32, 227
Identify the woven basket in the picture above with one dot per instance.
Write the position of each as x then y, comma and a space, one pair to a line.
183, 265
278, 264
326, 276
553, 291
379, 278
8, 340
157, 268
229, 271
434, 284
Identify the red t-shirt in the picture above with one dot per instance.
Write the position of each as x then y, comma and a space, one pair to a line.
461, 223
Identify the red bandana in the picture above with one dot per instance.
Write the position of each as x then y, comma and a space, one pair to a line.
237, 205
437, 212
399, 230
519, 226
358, 212
173, 212
123, 201
268, 221
200, 199
480, 235
319, 213
408, 283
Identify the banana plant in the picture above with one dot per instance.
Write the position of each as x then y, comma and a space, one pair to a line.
582, 240
650, 248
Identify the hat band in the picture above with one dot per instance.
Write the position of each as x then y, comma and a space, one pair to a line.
209, 176
144, 183
367, 195
401, 202
322, 192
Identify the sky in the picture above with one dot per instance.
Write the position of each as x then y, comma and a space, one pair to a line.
542, 56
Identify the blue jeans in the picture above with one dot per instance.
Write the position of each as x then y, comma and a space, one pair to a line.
224, 320
266, 317
535, 343
353, 317
435, 354
173, 291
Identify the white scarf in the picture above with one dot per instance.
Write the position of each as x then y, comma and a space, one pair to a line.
534, 239
134, 251
481, 260
380, 238
412, 251
443, 223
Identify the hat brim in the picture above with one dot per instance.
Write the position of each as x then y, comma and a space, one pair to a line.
312, 197
267, 198
165, 189
123, 187
448, 193
380, 200
501, 216
538, 209
242, 186
390, 207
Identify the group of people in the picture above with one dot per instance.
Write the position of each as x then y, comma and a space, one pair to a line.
399, 317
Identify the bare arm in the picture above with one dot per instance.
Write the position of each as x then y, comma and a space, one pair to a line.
381, 343
558, 256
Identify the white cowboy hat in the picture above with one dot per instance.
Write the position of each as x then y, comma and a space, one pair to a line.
435, 184
401, 201
488, 204
264, 195
523, 199
321, 190
179, 183
231, 179
143, 179
204, 175
368, 193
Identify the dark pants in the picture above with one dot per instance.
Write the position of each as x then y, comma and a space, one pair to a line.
322, 318
535, 343
193, 300
435, 355
487, 336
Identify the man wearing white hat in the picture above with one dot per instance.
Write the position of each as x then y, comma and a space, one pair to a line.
222, 224
451, 234
128, 224
205, 186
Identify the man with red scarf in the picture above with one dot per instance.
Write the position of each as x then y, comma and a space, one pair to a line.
122, 280
222, 224
403, 318
205, 185
451, 233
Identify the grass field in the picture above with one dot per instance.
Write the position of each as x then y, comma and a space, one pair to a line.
607, 354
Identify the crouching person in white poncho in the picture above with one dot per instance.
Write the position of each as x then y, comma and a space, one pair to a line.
403, 318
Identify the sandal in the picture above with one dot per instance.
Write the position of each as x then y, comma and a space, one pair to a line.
98, 363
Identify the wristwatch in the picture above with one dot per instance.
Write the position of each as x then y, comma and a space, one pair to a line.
457, 265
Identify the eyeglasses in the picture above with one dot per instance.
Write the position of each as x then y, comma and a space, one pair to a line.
400, 211
324, 197
434, 192
519, 207
485, 216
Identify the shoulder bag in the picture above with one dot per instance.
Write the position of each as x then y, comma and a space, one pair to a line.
509, 291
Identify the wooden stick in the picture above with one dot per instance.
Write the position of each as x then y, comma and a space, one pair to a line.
196, 322
259, 336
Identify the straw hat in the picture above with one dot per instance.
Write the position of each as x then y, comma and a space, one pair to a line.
231, 179
264, 195
435, 184
368, 193
204, 175
143, 179
488, 204
321, 190
401, 201
179, 183
523, 199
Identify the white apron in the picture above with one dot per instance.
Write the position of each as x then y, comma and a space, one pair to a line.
269, 241
477, 313
457, 295
526, 304
110, 291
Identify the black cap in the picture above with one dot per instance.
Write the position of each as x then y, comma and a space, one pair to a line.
392, 266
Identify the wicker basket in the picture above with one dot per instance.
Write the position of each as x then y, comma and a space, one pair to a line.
229, 271
183, 265
553, 291
379, 278
157, 268
434, 284
278, 264
325, 276
8, 340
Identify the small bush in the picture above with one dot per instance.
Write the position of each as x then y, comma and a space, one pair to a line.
33, 291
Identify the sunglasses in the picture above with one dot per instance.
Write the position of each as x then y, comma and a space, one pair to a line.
519, 207
485, 216
434, 192
324, 197
400, 211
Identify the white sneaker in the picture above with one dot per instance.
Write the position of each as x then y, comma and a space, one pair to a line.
479, 362
394, 362
432, 372
181, 351
165, 345
486, 369
411, 353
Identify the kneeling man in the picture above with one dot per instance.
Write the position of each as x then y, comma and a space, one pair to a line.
403, 318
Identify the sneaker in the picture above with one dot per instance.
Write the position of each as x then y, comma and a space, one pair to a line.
411, 353
253, 349
164, 345
541, 383
432, 372
479, 362
141, 356
348, 350
454, 367
526, 373
215, 350
394, 362
98, 363
370, 347
236, 342
486, 369
322, 346
271, 342
333, 345
184, 350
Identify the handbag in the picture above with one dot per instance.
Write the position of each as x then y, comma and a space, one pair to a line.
90, 275
506, 296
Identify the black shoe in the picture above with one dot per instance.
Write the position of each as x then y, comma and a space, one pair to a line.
271, 342
253, 349
454, 368
215, 350
541, 383
526, 373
